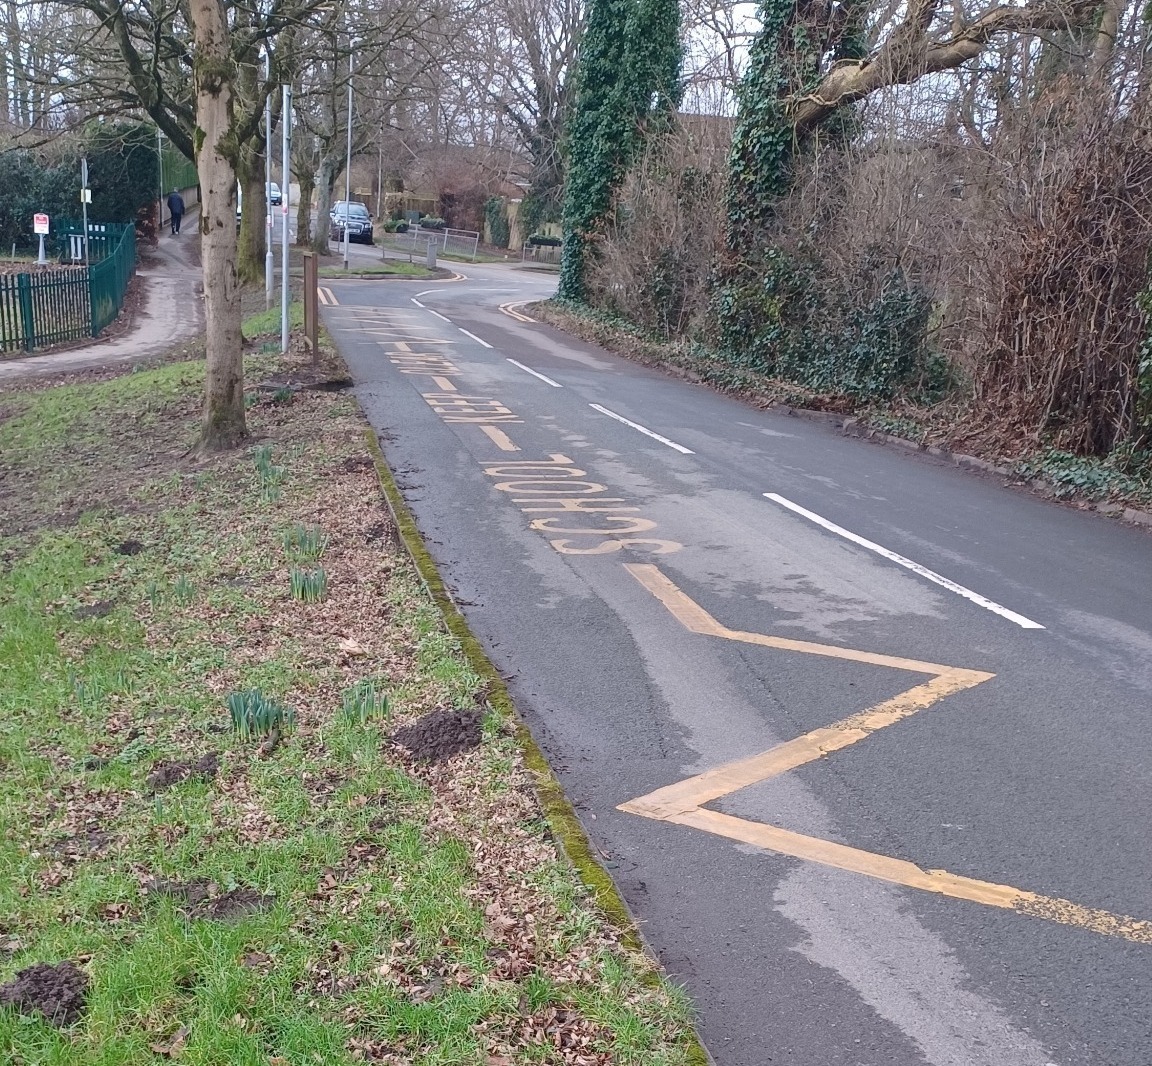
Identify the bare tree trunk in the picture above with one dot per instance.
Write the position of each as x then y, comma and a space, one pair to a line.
5, 100
325, 180
250, 253
223, 425
1105, 44
21, 109
304, 210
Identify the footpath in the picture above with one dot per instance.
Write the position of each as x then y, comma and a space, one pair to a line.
172, 311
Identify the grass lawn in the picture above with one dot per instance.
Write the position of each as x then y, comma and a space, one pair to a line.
305, 888
266, 323
393, 268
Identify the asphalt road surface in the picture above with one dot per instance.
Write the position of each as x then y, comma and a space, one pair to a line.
863, 738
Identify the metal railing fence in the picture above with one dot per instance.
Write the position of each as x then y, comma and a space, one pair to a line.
69, 303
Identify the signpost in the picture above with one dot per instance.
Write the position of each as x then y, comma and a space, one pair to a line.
311, 310
40, 227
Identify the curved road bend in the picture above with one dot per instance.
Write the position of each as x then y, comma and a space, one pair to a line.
863, 739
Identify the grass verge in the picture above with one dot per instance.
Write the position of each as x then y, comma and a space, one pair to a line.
395, 268
302, 890
266, 323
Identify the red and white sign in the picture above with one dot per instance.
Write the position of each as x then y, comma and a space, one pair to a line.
39, 223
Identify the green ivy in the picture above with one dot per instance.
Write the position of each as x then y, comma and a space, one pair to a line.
782, 323
1125, 473
1143, 405
496, 215
772, 312
763, 141
627, 81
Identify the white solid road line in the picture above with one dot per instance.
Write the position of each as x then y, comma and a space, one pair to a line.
417, 302
647, 432
923, 571
535, 373
472, 335
438, 315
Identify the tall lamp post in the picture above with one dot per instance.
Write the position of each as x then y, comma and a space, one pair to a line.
285, 200
160, 162
348, 156
269, 267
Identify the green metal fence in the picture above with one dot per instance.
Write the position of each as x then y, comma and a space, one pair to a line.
69, 303
108, 279
176, 172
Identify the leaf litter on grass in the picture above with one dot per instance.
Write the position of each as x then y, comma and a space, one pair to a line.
380, 884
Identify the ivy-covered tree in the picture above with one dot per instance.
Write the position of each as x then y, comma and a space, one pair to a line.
812, 60
627, 83
762, 140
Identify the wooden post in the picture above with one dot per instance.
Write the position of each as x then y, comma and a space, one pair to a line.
311, 304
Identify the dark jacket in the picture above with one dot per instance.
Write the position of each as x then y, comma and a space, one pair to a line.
176, 203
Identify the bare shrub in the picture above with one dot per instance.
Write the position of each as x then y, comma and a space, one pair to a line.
1064, 328
653, 262
1012, 199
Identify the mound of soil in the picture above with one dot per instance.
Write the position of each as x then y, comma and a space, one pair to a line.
94, 610
190, 892
200, 899
438, 736
129, 547
165, 774
234, 904
57, 992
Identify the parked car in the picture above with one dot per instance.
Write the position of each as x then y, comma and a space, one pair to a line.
353, 215
274, 199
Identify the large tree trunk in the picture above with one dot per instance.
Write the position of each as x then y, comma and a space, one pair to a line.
250, 253
1105, 45
304, 210
223, 425
325, 180
20, 110
5, 100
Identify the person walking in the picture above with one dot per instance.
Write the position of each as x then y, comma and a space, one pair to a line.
176, 209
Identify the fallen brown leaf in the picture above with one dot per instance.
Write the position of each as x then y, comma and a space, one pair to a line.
172, 1047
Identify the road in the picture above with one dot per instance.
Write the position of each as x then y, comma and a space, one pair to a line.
862, 738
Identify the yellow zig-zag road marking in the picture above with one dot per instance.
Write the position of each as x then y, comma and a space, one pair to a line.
682, 803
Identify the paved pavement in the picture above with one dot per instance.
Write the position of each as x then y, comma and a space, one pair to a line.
863, 738
172, 311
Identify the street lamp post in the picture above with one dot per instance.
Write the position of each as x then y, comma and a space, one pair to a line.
285, 201
348, 157
160, 163
85, 196
269, 268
